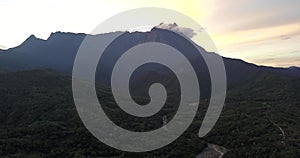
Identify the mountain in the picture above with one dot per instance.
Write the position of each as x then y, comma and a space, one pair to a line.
38, 117
59, 50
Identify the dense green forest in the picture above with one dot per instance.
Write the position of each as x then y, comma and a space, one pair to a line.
38, 118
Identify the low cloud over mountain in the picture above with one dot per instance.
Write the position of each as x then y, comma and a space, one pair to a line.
190, 33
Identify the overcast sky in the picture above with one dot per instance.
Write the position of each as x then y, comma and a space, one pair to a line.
266, 32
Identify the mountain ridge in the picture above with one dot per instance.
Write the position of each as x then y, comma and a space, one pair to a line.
56, 34
259, 103
59, 50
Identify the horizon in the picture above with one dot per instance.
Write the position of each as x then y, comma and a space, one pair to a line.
78, 33
262, 32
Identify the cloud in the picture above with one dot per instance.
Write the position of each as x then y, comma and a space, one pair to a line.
190, 33
295, 52
2, 47
255, 14
285, 37
280, 61
264, 60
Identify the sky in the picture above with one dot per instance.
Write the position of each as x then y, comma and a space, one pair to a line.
264, 32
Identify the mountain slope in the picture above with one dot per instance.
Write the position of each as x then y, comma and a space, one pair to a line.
38, 118
59, 50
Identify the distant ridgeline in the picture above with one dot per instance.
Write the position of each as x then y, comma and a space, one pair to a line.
59, 50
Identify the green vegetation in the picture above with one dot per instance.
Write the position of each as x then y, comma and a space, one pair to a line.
38, 119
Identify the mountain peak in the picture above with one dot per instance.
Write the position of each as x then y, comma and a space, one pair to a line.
59, 34
31, 41
31, 37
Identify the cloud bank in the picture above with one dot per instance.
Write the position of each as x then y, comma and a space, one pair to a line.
2, 47
188, 32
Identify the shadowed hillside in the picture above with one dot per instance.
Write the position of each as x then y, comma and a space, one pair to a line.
38, 118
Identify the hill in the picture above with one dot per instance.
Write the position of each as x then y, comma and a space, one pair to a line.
39, 119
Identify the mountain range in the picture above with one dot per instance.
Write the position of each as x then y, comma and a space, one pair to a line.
59, 51
38, 117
